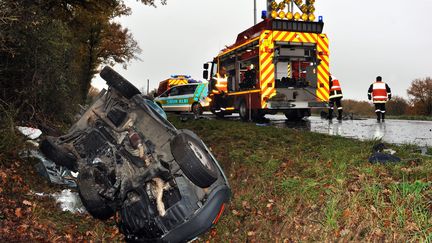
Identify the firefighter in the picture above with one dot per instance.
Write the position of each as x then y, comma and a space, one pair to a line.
379, 92
335, 98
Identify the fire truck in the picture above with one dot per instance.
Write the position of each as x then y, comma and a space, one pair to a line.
278, 65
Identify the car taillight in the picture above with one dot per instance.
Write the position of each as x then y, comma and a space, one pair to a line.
219, 214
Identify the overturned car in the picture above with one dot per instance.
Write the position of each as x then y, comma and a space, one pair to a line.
162, 184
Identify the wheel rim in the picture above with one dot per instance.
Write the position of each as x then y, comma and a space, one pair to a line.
198, 153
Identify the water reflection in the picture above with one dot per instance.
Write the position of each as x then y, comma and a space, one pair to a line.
335, 128
380, 131
392, 131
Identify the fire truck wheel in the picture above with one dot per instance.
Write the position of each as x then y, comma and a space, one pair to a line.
297, 114
116, 81
194, 160
220, 114
197, 109
58, 154
91, 181
243, 111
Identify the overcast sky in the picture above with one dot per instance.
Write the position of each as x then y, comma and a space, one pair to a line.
390, 38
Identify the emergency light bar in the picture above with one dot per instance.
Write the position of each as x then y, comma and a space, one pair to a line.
297, 26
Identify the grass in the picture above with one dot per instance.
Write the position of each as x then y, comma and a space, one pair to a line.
302, 186
287, 185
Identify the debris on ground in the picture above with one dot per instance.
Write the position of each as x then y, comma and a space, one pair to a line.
30, 132
69, 201
54, 173
382, 154
424, 151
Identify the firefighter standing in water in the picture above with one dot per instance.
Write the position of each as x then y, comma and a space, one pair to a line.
379, 92
335, 98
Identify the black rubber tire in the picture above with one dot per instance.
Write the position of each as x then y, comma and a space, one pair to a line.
194, 160
119, 83
197, 109
90, 181
220, 114
297, 114
243, 111
58, 154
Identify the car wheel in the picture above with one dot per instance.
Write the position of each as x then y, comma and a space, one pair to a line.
58, 154
194, 160
91, 181
197, 109
115, 80
243, 111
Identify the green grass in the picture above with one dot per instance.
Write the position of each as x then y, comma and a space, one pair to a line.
303, 186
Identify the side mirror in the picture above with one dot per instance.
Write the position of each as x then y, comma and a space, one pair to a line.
205, 74
206, 66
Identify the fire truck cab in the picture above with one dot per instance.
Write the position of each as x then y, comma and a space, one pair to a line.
278, 65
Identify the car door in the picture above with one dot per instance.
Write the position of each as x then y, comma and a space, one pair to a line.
179, 98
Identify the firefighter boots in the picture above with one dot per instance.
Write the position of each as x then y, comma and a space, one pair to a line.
339, 117
330, 114
378, 116
382, 116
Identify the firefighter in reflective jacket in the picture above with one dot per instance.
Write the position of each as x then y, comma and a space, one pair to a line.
379, 92
335, 98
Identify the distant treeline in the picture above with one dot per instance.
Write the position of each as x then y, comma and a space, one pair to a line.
51, 49
419, 102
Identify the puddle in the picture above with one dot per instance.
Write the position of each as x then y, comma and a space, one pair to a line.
391, 131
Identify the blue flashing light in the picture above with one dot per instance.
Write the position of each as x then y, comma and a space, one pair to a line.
264, 14
320, 18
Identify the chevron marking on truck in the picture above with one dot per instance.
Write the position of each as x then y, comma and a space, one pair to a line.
322, 48
323, 68
267, 68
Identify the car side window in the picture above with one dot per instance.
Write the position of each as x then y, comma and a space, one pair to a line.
174, 91
190, 89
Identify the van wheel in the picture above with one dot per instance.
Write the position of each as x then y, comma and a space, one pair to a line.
197, 109
116, 81
58, 154
194, 160
91, 181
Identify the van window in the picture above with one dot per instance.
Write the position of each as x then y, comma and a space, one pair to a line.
174, 91
186, 89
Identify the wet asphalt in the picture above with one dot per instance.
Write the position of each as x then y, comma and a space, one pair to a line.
391, 131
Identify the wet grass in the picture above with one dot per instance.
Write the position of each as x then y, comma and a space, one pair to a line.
303, 186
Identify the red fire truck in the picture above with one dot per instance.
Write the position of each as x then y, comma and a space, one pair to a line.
278, 65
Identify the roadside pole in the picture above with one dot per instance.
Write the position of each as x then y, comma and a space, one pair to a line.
148, 86
255, 12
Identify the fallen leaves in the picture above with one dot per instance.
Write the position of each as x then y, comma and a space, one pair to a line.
18, 212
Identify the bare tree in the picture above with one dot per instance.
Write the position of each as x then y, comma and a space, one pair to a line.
420, 95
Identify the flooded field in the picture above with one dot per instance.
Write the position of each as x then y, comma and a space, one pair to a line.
391, 131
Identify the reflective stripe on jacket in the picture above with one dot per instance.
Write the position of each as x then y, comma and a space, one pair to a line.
335, 89
379, 92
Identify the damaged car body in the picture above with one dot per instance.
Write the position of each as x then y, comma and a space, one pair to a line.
163, 184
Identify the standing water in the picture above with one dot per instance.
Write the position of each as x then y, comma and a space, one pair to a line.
391, 131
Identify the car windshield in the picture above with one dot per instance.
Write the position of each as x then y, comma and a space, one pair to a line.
155, 107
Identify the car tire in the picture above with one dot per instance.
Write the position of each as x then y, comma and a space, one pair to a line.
58, 154
197, 109
91, 180
194, 160
116, 81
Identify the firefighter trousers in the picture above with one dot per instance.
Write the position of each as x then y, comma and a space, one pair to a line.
335, 102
